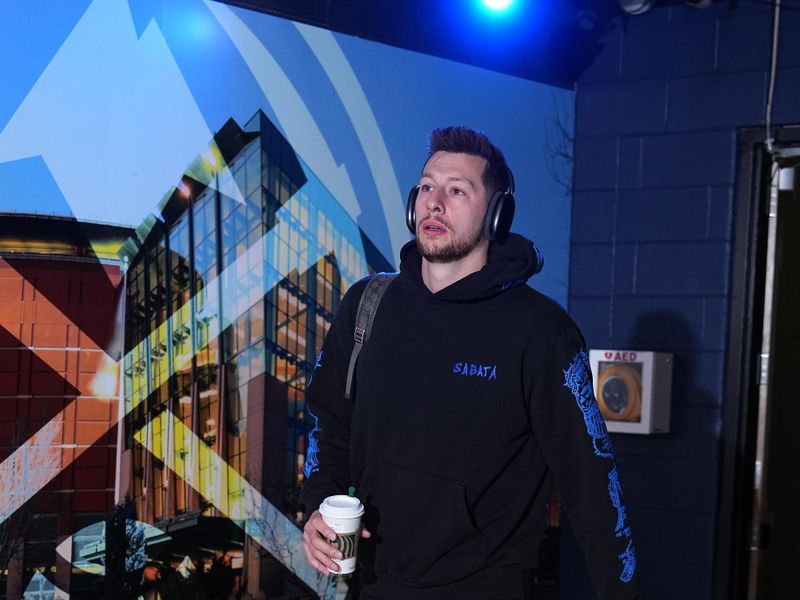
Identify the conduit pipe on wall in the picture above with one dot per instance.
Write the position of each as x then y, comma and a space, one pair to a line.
776, 23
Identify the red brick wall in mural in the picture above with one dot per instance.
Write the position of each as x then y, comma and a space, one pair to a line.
58, 406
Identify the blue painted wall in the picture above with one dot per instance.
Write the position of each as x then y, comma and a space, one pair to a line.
657, 116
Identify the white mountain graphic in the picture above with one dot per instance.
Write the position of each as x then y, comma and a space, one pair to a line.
111, 116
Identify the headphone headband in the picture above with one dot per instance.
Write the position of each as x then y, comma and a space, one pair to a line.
511, 184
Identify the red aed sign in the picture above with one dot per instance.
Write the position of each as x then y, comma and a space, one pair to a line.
620, 356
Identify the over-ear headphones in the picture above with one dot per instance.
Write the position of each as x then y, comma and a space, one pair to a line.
496, 222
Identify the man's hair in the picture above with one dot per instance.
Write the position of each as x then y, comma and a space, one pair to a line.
468, 141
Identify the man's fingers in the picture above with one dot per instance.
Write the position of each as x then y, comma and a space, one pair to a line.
318, 558
323, 565
317, 523
319, 552
320, 544
319, 566
311, 556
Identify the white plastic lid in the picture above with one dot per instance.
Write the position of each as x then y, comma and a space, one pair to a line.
341, 506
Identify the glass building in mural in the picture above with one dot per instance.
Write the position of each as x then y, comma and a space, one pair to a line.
229, 292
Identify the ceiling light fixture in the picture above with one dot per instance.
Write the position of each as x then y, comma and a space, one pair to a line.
636, 7
498, 4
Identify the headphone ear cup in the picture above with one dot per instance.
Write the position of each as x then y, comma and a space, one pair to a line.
489, 218
499, 215
411, 210
505, 216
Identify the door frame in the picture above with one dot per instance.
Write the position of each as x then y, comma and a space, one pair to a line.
735, 530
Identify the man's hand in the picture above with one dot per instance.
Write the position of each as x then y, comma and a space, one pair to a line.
319, 552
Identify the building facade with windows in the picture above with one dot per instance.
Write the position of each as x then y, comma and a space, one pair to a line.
59, 296
229, 292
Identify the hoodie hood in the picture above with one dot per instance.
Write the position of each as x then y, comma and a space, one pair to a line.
509, 264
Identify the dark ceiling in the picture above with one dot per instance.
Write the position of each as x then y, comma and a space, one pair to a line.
551, 41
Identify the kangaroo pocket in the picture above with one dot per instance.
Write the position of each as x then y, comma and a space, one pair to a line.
423, 531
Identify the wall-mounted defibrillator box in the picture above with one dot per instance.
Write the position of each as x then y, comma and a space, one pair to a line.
633, 389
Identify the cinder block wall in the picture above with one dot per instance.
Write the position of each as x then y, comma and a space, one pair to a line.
657, 118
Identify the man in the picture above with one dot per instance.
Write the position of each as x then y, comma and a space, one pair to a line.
470, 391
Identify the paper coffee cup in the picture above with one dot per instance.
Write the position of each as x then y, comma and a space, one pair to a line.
343, 515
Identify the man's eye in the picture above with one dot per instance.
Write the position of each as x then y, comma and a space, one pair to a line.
426, 187
457, 191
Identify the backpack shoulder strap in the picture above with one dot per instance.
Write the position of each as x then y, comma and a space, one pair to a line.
365, 315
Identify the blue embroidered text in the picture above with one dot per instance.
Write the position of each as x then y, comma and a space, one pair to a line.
488, 372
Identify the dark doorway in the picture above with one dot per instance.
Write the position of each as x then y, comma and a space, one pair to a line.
775, 550
757, 549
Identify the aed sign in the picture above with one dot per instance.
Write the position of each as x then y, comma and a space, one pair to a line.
617, 356
633, 389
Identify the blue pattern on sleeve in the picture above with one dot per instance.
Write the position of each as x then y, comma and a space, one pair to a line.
312, 456
317, 365
577, 378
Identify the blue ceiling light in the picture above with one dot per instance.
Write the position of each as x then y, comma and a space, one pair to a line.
498, 5
498, 10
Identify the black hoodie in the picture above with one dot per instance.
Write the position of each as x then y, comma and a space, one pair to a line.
465, 401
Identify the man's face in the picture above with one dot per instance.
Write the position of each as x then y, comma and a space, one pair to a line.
450, 207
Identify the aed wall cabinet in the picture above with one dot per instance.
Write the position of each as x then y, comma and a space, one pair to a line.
633, 389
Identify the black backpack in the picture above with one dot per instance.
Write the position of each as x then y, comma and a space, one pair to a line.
365, 315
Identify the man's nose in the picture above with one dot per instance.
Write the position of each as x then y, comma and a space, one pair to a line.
434, 201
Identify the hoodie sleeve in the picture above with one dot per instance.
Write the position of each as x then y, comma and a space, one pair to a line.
327, 455
567, 422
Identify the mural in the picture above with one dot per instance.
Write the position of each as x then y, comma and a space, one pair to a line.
188, 189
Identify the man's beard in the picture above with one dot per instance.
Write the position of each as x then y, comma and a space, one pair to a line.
455, 250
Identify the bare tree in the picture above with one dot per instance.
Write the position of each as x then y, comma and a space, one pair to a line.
26, 471
281, 538
560, 144
12, 537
